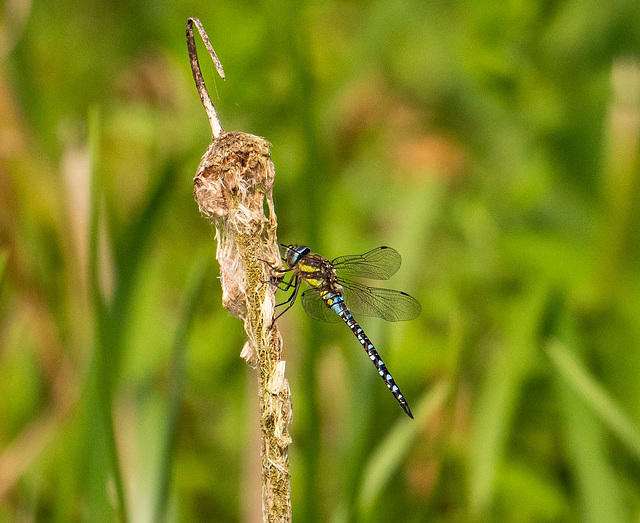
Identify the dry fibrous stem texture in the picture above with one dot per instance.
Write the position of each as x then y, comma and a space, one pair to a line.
233, 183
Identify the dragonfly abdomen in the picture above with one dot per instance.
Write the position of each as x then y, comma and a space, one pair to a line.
336, 303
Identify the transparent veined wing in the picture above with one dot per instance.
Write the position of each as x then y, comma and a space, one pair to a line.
388, 304
377, 264
314, 306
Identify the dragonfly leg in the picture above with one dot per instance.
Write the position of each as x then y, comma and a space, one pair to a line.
279, 275
286, 286
275, 269
291, 300
293, 294
280, 285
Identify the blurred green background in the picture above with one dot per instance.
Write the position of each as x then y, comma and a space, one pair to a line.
495, 145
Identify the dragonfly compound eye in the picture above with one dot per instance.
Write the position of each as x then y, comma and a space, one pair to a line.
295, 252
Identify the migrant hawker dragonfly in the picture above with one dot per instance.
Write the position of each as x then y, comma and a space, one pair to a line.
332, 298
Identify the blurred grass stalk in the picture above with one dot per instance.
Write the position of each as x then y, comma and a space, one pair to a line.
201, 268
595, 396
500, 394
103, 339
112, 315
620, 180
391, 452
597, 481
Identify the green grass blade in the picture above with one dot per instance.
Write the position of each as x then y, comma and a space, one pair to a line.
130, 251
388, 456
591, 466
595, 396
196, 285
500, 395
102, 327
94, 212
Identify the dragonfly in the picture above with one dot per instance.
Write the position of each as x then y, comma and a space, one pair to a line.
332, 297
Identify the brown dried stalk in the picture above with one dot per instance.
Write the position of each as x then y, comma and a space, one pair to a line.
234, 178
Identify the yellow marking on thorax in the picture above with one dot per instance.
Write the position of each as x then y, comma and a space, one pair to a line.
309, 270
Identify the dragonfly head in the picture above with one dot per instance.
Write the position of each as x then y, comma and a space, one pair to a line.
293, 253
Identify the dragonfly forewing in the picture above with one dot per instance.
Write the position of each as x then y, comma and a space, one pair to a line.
377, 264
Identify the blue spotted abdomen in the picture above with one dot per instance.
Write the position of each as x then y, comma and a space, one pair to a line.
336, 303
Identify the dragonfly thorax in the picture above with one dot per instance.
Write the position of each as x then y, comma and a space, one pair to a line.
318, 272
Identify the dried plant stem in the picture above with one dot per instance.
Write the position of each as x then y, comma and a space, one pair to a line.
234, 180
212, 114
275, 398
